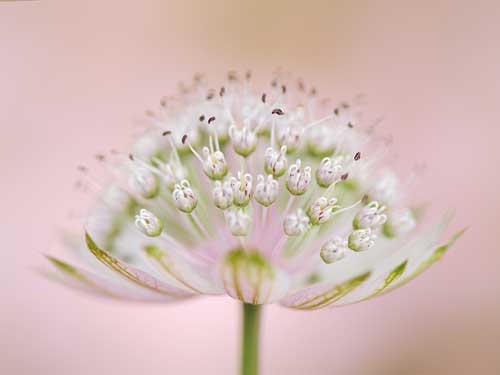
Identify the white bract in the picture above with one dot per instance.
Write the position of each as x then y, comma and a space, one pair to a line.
232, 215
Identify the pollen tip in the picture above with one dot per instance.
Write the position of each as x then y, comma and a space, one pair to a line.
184, 138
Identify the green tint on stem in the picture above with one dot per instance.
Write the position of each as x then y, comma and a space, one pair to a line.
250, 339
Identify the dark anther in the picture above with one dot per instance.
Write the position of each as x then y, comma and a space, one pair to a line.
301, 85
350, 125
263, 98
184, 138
131, 157
283, 89
248, 74
222, 91
163, 102
357, 156
231, 75
166, 132
364, 200
277, 111
313, 91
197, 77
344, 176
100, 157
336, 111
274, 83
210, 95
211, 119
202, 118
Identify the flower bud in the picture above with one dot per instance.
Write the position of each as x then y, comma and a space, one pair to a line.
222, 194
370, 216
361, 239
244, 140
289, 136
330, 171
171, 173
242, 189
144, 183
239, 221
184, 197
266, 190
333, 250
399, 223
298, 180
148, 223
275, 162
214, 165
296, 224
321, 210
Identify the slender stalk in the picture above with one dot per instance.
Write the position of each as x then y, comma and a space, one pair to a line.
250, 339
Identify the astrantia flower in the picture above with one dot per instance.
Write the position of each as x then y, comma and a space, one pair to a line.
268, 197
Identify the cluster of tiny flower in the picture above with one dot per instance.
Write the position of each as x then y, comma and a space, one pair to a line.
262, 153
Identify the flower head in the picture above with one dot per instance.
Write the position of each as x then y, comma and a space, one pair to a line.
263, 196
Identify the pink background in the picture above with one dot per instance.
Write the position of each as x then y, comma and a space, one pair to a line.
74, 75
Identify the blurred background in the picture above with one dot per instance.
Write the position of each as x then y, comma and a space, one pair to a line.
75, 74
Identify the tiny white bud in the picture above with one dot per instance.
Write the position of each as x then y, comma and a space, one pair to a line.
322, 210
370, 216
330, 171
222, 194
239, 221
298, 179
321, 140
244, 140
184, 197
266, 190
148, 223
400, 222
361, 239
296, 224
289, 136
171, 173
333, 250
144, 183
385, 190
275, 162
242, 189
214, 165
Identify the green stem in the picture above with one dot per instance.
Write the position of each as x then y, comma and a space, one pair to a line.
250, 342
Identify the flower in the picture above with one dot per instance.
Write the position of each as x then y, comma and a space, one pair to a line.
264, 196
